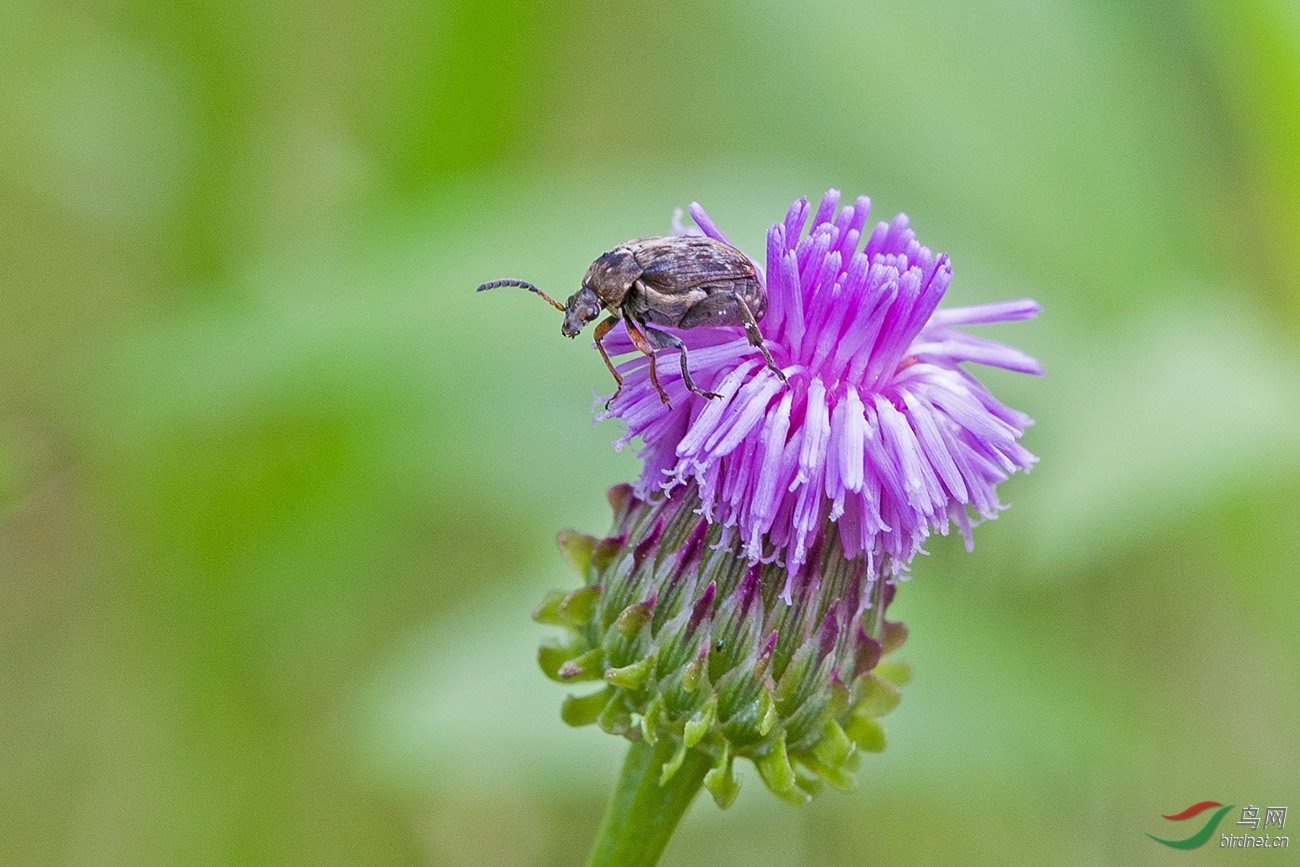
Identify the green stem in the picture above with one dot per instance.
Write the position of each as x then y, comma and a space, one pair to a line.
642, 814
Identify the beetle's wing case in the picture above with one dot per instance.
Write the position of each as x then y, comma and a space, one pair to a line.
676, 263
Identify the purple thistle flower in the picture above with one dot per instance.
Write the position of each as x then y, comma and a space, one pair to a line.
880, 429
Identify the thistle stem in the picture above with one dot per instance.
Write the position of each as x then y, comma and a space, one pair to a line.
642, 815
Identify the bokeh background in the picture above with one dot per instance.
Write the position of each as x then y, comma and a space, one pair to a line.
278, 490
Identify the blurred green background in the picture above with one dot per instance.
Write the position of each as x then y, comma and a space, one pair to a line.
278, 490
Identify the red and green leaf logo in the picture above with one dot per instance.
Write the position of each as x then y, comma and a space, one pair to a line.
1199, 838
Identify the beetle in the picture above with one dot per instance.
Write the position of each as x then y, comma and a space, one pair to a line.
677, 281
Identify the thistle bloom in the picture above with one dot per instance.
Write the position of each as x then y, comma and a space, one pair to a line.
737, 607
880, 430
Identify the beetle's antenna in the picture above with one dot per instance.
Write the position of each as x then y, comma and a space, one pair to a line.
520, 283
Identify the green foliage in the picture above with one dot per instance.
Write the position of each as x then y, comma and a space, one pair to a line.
277, 489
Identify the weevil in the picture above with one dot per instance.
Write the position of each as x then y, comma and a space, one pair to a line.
678, 281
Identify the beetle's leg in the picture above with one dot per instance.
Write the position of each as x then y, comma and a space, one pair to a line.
664, 340
639, 341
755, 336
601, 330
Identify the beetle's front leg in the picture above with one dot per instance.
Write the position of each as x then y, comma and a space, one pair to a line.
755, 336
664, 340
601, 331
640, 342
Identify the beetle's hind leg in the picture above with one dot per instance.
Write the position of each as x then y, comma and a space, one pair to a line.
664, 340
755, 336
728, 308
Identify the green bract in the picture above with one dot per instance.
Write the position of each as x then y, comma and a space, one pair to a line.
694, 644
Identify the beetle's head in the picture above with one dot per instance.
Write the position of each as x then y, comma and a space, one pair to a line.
582, 307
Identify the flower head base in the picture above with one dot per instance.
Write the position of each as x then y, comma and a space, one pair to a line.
879, 431
694, 647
